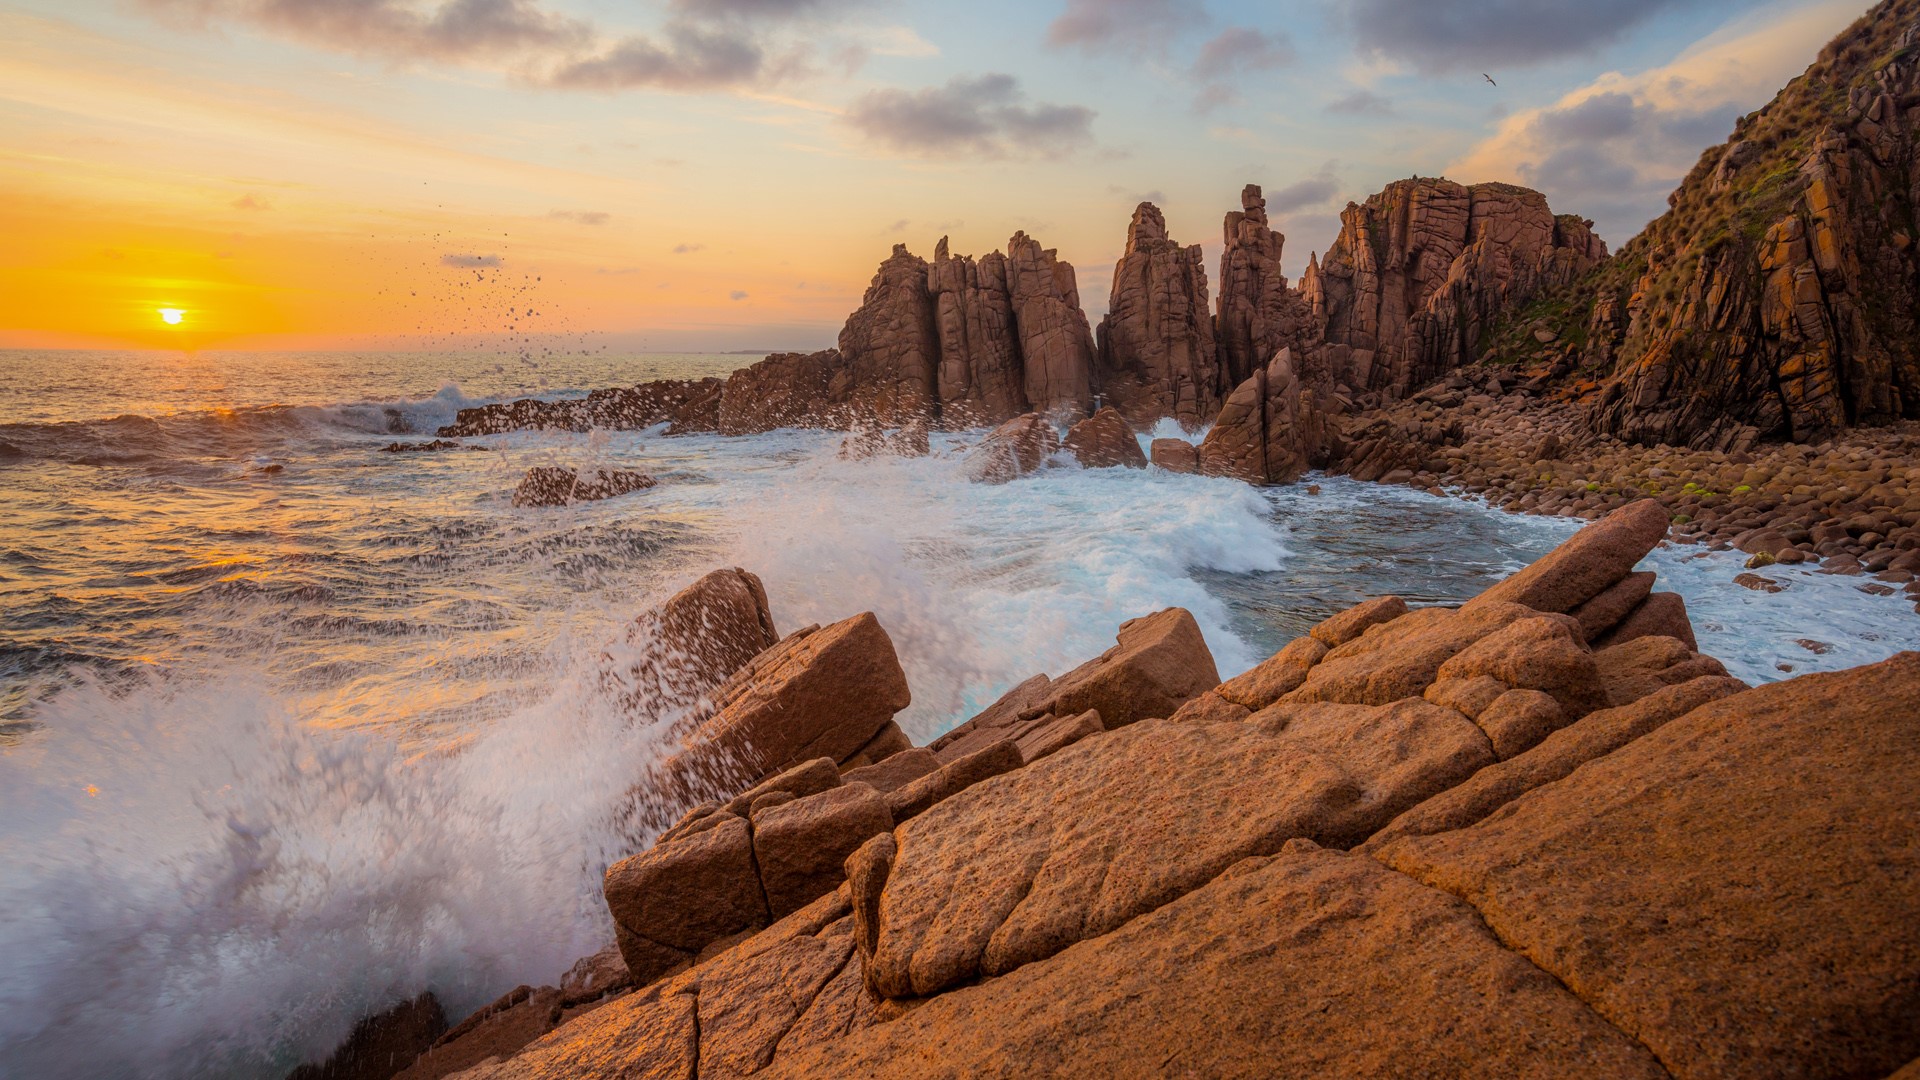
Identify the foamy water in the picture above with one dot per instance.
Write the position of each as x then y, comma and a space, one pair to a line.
289, 744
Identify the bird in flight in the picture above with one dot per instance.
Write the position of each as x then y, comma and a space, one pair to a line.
1489, 78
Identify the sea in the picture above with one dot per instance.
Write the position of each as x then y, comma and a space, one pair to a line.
292, 728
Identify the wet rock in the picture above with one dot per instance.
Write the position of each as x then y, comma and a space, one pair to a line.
381, 1046
1012, 450
676, 401
784, 390
1103, 441
548, 485
499, 1030
1175, 455
426, 447
820, 692
692, 643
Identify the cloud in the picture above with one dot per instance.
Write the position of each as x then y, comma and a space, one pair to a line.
1466, 35
1242, 48
469, 262
687, 249
900, 226
980, 115
1315, 190
688, 57
1612, 150
737, 295
1127, 26
249, 202
1361, 103
454, 30
581, 217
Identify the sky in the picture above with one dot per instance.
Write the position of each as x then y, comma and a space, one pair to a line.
704, 175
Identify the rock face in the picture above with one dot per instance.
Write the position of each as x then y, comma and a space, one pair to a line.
1779, 295
550, 485
889, 351
1631, 874
1156, 342
1056, 342
982, 368
1259, 315
1272, 429
1422, 271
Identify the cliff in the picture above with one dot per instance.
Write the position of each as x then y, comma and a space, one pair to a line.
1779, 295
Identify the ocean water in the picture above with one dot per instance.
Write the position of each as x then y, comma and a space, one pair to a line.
291, 728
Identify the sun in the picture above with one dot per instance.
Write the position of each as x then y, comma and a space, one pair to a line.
172, 315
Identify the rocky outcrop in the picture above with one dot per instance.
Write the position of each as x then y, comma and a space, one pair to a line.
1425, 270
382, 1045
1780, 294
677, 654
677, 401
982, 377
1259, 315
784, 390
1538, 853
1103, 441
1156, 342
1056, 342
553, 485
889, 350
1273, 428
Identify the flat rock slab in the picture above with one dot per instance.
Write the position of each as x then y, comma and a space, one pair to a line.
1737, 889
1311, 964
1016, 868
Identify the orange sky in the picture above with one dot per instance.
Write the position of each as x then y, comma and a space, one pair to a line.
292, 193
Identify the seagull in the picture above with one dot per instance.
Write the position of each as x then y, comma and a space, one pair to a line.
1489, 78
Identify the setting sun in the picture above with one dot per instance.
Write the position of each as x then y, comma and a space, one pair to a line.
172, 315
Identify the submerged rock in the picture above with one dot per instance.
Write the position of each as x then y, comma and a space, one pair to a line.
550, 485
1104, 440
1012, 450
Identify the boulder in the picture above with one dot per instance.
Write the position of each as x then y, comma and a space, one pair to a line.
1158, 664
1613, 604
995, 723
689, 645
1175, 455
672, 900
799, 847
550, 485
1280, 967
1635, 668
1735, 890
1272, 429
1517, 720
1587, 564
1055, 733
896, 772
822, 692
1545, 653
1011, 871
911, 799
1661, 614
1012, 450
1401, 658
1103, 441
